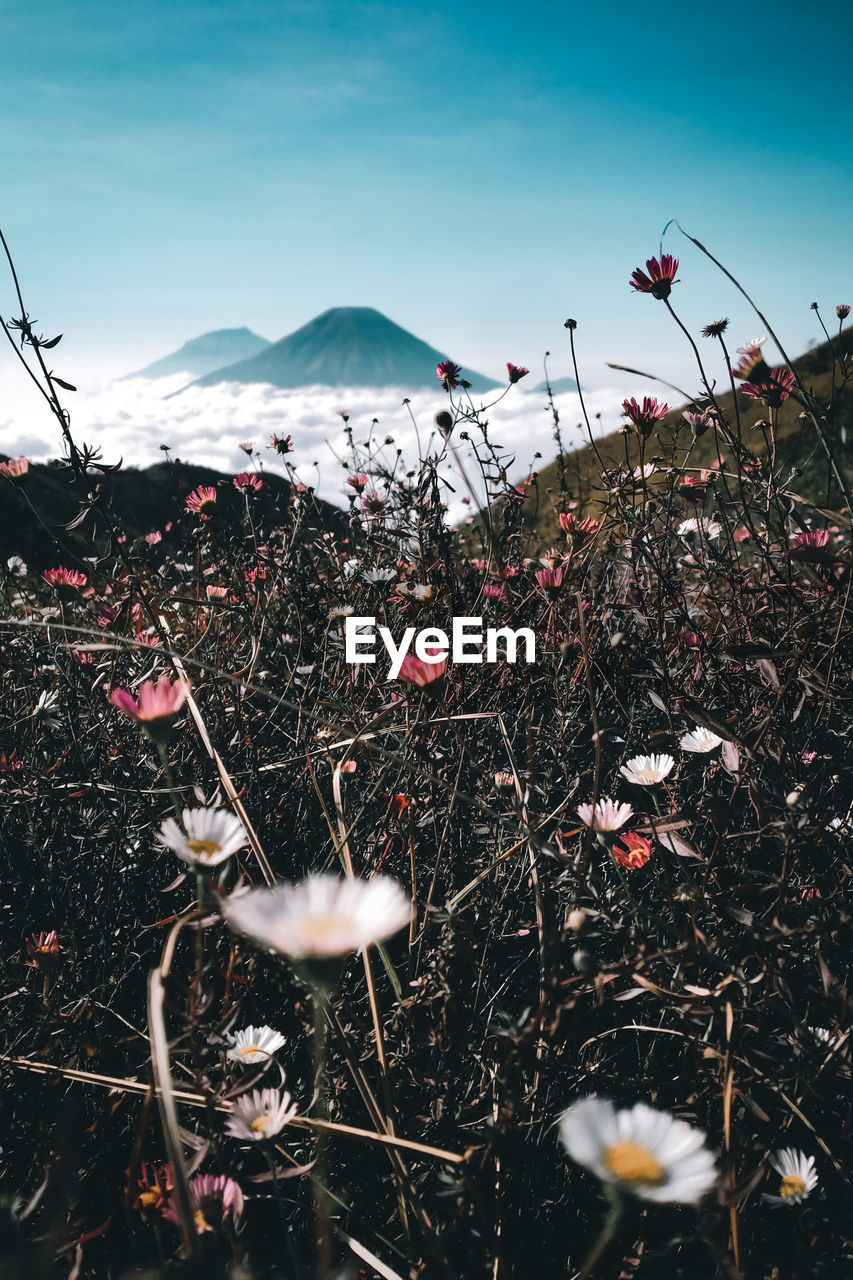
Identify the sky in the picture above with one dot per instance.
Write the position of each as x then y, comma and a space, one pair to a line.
477, 171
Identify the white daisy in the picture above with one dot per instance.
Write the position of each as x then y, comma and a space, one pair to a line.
254, 1044
377, 577
701, 740
606, 816
798, 1176
260, 1115
324, 916
707, 528
212, 835
647, 771
643, 1151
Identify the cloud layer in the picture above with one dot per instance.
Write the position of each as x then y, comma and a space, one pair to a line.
132, 419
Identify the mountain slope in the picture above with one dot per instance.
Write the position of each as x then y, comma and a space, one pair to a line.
345, 346
203, 354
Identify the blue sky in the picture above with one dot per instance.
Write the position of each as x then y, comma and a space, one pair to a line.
478, 171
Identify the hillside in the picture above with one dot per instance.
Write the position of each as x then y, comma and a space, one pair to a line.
577, 476
345, 346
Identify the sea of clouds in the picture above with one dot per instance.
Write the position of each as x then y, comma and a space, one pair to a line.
132, 418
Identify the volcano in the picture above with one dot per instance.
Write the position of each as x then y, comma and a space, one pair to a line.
203, 354
345, 347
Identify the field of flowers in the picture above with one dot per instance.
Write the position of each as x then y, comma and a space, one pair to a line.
485, 971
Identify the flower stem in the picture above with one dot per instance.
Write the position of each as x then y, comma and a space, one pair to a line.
322, 1216
607, 1236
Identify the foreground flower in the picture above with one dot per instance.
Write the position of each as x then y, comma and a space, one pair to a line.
247, 482
201, 501
516, 372
15, 468
420, 672
43, 950
322, 917
647, 771
212, 835
448, 374
700, 740
772, 391
254, 1044
660, 278
643, 417
642, 1151
632, 851
158, 707
607, 815
798, 1176
812, 538
258, 1116
281, 444
214, 1196
65, 577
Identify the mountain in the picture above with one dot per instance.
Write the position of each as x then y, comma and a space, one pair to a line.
202, 355
558, 386
345, 347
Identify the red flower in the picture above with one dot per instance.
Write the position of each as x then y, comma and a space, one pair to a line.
358, 482
643, 417
633, 852
246, 482
417, 672
201, 500
516, 372
281, 444
813, 538
550, 579
448, 374
660, 279
65, 577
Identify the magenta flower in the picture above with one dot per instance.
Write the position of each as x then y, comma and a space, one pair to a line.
201, 500
774, 391
516, 372
43, 950
813, 538
214, 1196
281, 444
643, 417
448, 374
158, 707
246, 482
65, 578
660, 279
550, 579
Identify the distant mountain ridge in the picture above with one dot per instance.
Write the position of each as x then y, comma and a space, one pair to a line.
203, 354
558, 386
344, 347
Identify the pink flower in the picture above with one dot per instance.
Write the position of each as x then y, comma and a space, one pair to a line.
516, 372
448, 374
643, 417
214, 1196
632, 851
43, 950
493, 592
14, 468
606, 816
201, 500
358, 482
158, 707
692, 489
660, 279
698, 423
842, 311
813, 538
281, 444
550, 579
153, 538
65, 577
588, 526
774, 390
568, 522
373, 506
216, 593
246, 482
420, 673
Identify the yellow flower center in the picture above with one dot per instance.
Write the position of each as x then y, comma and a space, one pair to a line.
318, 929
260, 1124
149, 1198
631, 1163
791, 1186
648, 776
204, 850
247, 1049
